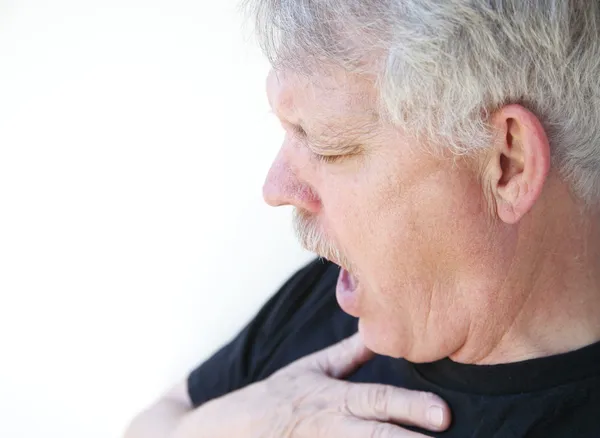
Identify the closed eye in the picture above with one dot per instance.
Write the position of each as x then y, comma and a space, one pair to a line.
326, 158
299, 132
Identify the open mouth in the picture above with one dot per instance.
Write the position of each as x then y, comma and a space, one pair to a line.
346, 292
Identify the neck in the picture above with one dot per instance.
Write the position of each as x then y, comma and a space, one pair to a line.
544, 298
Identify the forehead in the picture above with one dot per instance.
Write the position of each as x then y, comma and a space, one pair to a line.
335, 97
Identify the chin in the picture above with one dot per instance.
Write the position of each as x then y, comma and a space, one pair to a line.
374, 341
377, 339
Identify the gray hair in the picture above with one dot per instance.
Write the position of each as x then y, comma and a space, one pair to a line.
443, 66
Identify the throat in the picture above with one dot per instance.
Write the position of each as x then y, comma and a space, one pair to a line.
535, 331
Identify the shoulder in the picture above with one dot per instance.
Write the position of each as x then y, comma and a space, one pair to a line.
576, 414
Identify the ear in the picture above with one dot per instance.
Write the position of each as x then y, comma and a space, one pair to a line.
519, 164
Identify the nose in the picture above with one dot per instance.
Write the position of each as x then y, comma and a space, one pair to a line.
283, 187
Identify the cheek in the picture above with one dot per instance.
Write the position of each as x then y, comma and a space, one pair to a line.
408, 248
346, 206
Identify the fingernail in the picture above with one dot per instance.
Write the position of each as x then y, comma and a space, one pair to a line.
435, 414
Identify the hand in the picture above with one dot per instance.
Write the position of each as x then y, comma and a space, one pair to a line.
306, 399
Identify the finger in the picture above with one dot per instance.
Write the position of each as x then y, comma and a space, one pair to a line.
356, 428
397, 405
340, 359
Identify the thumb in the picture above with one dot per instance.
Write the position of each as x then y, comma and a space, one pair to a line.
342, 358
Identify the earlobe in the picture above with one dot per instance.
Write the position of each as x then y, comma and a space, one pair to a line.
514, 200
522, 162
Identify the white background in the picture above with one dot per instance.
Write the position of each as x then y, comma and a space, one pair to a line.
134, 139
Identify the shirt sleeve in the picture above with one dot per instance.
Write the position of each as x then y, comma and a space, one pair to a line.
237, 364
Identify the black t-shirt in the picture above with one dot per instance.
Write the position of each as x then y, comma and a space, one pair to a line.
556, 396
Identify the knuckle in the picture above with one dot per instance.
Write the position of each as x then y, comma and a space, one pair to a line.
347, 406
417, 405
414, 407
379, 400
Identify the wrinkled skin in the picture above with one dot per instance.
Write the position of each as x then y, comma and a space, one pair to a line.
306, 400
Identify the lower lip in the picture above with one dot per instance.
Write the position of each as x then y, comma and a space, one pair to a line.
346, 292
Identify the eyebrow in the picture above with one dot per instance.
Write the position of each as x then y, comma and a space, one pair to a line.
341, 135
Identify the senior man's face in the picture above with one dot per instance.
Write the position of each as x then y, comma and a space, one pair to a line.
407, 226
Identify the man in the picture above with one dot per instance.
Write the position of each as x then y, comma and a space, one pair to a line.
447, 156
